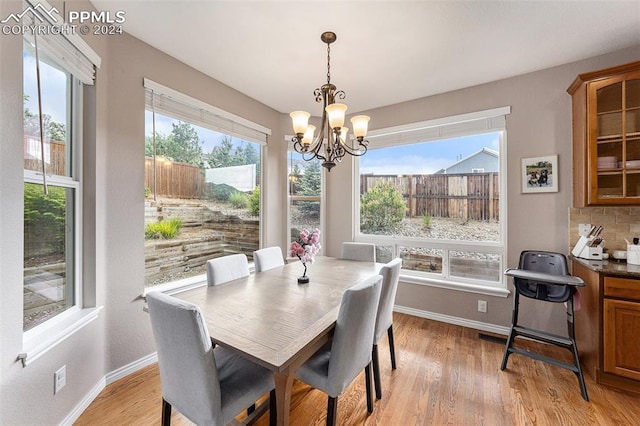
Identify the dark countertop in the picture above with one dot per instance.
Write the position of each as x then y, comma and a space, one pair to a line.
610, 267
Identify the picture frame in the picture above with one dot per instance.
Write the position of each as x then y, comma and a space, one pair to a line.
540, 174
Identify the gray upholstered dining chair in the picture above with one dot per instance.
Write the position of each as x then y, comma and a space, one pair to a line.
384, 320
208, 386
358, 251
339, 362
267, 258
227, 268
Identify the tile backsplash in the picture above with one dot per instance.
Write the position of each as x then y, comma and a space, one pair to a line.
618, 223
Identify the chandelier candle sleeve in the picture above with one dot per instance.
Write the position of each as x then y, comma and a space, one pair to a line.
331, 143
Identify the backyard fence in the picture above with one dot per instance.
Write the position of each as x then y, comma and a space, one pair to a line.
174, 180
54, 155
473, 196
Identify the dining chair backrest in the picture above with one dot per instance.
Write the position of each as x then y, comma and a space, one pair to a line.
353, 335
358, 251
390, 277
267, 258
227, 268
185, 358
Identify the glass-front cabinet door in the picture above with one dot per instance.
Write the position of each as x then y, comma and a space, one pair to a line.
613, 136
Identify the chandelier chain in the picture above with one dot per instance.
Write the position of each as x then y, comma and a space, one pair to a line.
328, 63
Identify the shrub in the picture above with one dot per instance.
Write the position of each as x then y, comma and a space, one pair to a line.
426, 221
381, 208
222, 191
163, 229
147, 192
238, 200
254, 202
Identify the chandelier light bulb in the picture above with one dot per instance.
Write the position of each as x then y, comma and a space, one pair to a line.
360, 123
300, 121
343, 135
308, 135
335, 114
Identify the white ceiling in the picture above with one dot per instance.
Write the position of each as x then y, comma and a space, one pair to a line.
386, 51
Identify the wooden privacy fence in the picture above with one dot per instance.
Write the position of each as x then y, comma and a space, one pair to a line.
174, 180
469, 196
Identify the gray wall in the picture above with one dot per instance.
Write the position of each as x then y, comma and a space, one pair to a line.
114, 223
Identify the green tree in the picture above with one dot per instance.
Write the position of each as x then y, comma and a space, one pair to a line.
221, 154
55, 131
310, 184
182, 145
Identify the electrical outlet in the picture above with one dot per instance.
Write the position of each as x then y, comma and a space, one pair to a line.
482, 306
583, 229
59, 379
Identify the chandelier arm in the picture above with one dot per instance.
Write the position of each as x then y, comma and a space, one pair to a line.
360, 151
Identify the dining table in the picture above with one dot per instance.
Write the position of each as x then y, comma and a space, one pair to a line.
272, 320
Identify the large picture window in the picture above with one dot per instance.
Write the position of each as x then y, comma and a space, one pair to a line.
431, 194
202, 188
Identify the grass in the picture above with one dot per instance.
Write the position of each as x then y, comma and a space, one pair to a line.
163, 230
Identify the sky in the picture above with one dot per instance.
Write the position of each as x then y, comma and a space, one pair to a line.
426, 157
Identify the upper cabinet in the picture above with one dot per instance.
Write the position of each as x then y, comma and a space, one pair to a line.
606, 136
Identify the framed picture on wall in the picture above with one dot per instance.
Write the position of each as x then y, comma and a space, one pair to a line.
540, 174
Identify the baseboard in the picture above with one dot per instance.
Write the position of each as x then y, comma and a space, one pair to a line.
122, 372
84, 403
477, 325
111, 377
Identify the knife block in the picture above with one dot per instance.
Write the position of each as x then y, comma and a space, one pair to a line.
584, 250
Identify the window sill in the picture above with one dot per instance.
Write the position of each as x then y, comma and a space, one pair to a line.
39, 343
458, 286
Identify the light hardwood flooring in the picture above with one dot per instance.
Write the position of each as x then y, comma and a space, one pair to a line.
446, 375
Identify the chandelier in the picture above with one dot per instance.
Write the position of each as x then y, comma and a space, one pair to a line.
331, 144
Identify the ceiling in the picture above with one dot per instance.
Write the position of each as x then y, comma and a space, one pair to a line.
386, 51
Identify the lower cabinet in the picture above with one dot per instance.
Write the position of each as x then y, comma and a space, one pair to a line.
621, 352
608, 328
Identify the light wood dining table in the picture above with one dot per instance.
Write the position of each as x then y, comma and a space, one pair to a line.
274, 321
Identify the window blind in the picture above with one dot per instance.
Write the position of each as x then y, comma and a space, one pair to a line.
169, 102
66, 49
443, 128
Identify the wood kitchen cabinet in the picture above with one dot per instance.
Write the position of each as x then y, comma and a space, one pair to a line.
608, 325
606, 136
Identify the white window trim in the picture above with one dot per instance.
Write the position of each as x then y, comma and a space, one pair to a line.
493, 121
42, 338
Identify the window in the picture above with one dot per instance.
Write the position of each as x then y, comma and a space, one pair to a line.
202, 186
305, 194
430, 194
50, 217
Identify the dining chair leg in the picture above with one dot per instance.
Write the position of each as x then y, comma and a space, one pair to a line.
332, 411
166, 413
376, 371
273, 409
367, 381
392, 347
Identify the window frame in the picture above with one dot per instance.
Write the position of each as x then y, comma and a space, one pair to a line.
442, 129
173, 104
322, 198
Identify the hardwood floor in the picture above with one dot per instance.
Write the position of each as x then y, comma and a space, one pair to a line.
446, 375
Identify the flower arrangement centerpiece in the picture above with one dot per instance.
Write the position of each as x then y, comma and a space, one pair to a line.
305, 248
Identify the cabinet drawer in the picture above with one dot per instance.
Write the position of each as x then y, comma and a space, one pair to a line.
622, 287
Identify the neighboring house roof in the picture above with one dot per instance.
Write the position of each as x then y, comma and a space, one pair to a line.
485, 152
